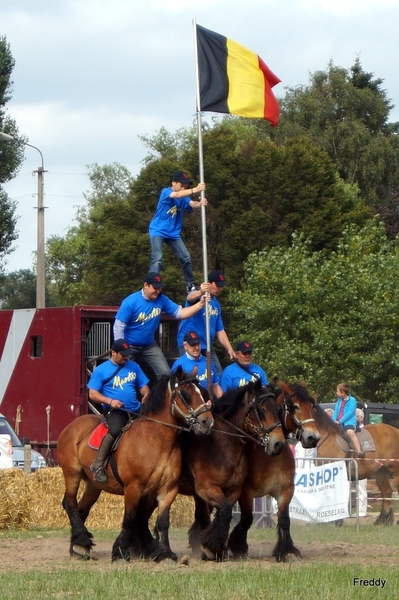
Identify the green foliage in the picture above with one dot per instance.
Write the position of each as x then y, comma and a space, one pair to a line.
18, 289
346, 114
11, 154
104, 257
8, 222
260, 193
325, 317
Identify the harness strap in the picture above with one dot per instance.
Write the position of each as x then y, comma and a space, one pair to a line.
114, 468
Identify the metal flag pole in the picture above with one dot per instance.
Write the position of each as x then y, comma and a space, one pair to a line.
203, 213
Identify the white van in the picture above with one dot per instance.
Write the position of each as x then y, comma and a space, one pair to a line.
37, 460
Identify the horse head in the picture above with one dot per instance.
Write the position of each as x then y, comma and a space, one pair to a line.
298, 418
187, 402
252, 410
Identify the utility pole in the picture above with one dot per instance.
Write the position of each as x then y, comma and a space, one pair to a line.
40, 257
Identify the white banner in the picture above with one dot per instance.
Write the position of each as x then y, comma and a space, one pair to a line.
5, 451
321, 493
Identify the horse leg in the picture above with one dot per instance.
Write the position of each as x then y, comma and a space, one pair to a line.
126, 539
382, 480
214, 538
143, 543
284, 546
81, 541
201, 522
162, 527
238, 537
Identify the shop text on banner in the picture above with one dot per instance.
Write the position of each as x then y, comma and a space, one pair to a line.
321, 493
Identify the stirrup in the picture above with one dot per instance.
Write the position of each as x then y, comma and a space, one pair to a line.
99, 473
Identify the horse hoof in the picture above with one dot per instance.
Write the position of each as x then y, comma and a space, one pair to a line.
184, 560
291, 558
80, 552
209, 555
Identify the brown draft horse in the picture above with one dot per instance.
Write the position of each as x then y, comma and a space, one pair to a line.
382, 464
217, 468
274, 475
148, 461
213, 472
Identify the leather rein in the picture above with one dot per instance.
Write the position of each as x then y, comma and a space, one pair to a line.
261, 432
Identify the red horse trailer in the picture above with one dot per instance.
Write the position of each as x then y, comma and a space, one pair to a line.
47, 355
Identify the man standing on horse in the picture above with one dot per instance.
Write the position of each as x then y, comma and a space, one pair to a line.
193, 358
138, 319
167, 222
114, 384
214, 287
243, 370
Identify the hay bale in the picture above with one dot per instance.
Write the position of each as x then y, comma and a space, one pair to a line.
35, 501
14, 499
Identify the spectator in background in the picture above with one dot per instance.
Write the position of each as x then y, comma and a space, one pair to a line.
362, 482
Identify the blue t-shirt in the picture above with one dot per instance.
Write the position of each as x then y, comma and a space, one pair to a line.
234, 376
188, 363
142, 317
349, 416
197, 323
122, 386
167, 221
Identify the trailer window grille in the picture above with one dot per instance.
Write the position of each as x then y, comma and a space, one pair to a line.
98, 340
164, 337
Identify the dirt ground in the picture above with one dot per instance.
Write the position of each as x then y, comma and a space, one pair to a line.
52, 553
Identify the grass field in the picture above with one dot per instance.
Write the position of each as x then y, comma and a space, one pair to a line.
332, 558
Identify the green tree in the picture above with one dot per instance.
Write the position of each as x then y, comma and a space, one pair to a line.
324, 317
18, 290
104, 257
260, 193
8, 222
11, 154
345, 112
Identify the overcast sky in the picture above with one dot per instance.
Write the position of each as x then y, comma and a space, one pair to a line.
92, 75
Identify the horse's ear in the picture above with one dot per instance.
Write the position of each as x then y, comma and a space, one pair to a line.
179, 372
285, 387
194, 372
257, 385
273, 382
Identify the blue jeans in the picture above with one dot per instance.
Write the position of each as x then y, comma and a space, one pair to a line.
214, 359
154, 356
179, 249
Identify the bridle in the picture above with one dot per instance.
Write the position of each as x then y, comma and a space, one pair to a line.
259, 434
191, 417
298, 423
259, 431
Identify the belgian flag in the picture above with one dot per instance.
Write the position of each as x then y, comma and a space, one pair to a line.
234, 79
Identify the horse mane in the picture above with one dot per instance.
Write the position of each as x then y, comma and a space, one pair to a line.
155, 401
325, 422
300, 391
231, 400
